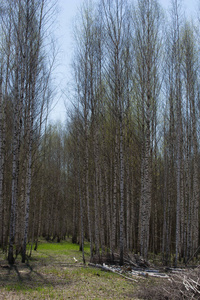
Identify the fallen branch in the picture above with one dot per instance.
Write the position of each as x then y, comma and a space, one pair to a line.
106, 268
114, 271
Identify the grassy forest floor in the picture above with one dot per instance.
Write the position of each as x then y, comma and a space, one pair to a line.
52, 273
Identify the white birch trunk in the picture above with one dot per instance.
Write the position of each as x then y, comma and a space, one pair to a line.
28, 192
121, 193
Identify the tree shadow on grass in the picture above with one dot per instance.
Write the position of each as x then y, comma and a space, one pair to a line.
28, 276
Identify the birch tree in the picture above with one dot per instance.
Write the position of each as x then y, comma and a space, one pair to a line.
147, 54
117, 22
178, 117
190, 73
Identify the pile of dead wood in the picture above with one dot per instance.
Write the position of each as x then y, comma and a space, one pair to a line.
133, 260
134, 265
180, 283
187, 282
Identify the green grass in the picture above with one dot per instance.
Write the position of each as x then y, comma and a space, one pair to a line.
20, 287
52, 273
62, 248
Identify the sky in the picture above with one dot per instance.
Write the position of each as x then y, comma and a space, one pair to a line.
67, 11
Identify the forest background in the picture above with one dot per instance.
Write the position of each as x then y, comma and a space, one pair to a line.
123, 172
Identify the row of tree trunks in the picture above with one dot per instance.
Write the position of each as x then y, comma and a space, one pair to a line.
23, 98
120, 105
